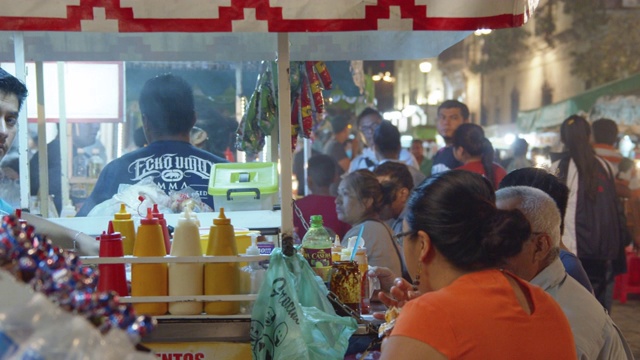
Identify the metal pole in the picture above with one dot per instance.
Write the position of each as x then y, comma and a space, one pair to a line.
240, 155
23, 135
284, 115
42, 142
62, 132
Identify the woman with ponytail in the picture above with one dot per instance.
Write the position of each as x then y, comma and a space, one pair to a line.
468, 309
475, 151
592, 224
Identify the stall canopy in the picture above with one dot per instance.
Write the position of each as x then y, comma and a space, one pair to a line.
103, 30
617, 100
260, 15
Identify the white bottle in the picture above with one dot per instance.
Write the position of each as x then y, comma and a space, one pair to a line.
186, 279
254, 270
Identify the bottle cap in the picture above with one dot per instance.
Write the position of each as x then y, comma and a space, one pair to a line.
316, 220
110, 235
352, 242
253, 248
336, 241
149, 220
156, 213
188, 216
122, 214
221, 219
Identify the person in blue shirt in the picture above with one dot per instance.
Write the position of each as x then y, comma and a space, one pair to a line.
168, 115
12, 96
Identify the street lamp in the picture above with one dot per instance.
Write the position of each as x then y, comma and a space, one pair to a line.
425, 68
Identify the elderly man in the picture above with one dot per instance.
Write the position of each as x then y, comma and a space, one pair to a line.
595, 334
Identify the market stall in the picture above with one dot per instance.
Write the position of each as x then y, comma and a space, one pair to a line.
198, 30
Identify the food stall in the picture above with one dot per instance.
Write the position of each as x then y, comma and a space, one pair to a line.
283, 31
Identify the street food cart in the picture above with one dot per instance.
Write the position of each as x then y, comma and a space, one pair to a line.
198, 30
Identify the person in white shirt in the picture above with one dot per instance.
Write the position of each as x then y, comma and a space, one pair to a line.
595, 334
368, 121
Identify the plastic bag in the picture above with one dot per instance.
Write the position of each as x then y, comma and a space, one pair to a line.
292, 317
187, 198
130, 196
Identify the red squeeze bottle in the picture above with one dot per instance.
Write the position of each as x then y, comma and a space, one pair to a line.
163, 224
112, 276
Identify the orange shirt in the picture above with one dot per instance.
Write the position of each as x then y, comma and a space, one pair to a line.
479, 317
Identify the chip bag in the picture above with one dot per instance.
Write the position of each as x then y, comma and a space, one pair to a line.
292, 317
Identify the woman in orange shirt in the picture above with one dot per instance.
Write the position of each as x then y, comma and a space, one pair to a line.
468, 309
475, 151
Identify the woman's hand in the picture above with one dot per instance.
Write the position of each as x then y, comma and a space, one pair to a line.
384, 275
401, 292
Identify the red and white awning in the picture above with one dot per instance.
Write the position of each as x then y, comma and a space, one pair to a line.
131, 16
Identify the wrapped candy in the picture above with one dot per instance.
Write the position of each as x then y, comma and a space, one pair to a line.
321, 68
306, 117
249, 136
315, 87
60, 276
295, 122
267, 109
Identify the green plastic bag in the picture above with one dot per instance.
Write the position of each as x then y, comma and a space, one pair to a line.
292, 317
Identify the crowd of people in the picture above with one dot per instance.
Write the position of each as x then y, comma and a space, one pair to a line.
484, 263
533, 250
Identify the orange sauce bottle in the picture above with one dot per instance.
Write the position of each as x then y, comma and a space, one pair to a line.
123, 224
149, 279
222, 278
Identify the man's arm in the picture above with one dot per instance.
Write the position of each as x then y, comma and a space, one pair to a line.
64, 237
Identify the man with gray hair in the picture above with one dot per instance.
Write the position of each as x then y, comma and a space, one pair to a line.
595, 334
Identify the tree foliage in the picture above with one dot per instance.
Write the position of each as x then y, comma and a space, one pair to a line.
611, 54
500, 49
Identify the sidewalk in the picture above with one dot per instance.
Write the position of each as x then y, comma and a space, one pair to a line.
627, 317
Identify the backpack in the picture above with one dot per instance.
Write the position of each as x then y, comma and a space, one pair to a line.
598, 230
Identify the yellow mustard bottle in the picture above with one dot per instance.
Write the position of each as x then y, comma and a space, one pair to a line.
123, 224
222, 278
149, 279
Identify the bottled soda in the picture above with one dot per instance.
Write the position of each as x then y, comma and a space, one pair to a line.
95, 164
316, 248
80, 164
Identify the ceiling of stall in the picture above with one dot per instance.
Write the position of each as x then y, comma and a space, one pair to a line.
226, 30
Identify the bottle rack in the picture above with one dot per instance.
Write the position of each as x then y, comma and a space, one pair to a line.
96, 260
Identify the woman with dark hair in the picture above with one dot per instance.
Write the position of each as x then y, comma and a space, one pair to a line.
475, 151
359, 202
469, 309
592, 229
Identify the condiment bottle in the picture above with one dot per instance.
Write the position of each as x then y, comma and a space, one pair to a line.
363, 266
123, 224
149, 279
165, 231
345, 282
336, 249
112, 276
186, 279
222, 278
252, 274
